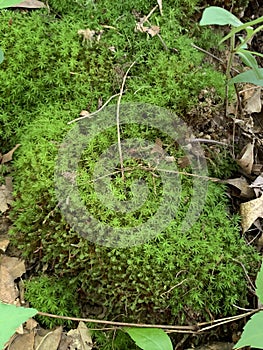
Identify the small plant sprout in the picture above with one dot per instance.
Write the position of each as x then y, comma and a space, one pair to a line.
218, 16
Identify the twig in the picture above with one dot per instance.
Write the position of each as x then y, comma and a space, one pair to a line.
213, 56
213, 179
93, 113
247, 276
118, 117
198, 328
227, 320
122, 324
208, 141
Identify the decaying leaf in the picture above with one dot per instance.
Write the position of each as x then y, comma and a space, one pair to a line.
252, 99
81, 338
160, 4
247, 158
31, 4
51, 340
8, 156
242, 187
152, 30
250, 212
23, 341
6, 195
88, 35
4, 242
257, 185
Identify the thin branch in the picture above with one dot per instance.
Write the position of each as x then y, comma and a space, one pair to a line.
93, 113
213, 56
122, 324
118, 117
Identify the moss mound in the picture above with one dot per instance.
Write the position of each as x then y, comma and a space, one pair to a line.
48, 76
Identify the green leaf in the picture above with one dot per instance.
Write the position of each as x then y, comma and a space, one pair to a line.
11, 317
150, 338
259, 284
250, 76
219, 16
248, 59
1, 56
8, 3
247, 26
252, 334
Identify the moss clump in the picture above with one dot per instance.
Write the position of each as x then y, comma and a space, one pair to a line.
53, 295
47, 78
172, 276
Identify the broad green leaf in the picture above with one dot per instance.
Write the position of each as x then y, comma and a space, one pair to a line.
252, 334
11, 317
1, 56
150, 338
217, 15
259, 284
7, 3
248, 59
250, 76
247, 26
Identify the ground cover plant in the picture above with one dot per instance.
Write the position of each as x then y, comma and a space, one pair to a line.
177, 277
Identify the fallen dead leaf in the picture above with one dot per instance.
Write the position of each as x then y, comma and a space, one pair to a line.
250, 212
4, 199
31, 4
31, 324
85, 336
4, 242
160, 4
252, 99
81, 338
247, 158
88, 35
152, 30
51, 340
257, 186
8, 290
15, 266
8, 156
23, 341
242, 186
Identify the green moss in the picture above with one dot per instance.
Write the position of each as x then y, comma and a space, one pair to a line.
48, 76
52, 295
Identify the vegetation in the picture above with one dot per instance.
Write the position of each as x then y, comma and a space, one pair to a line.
176, 277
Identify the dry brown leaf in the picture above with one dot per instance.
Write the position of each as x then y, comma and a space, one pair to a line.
31, 4
160, 4
5, 198
250, 212
81, 338
247, 158
8, 156
88, 35
241, 184
15, 266
24, 341
153, 30
8, 290
31, 324
51, 340
257, 185
85, 336
158, 147
84, 113
4, 242
252, 100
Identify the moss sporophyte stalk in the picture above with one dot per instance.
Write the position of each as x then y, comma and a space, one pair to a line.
45, 88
